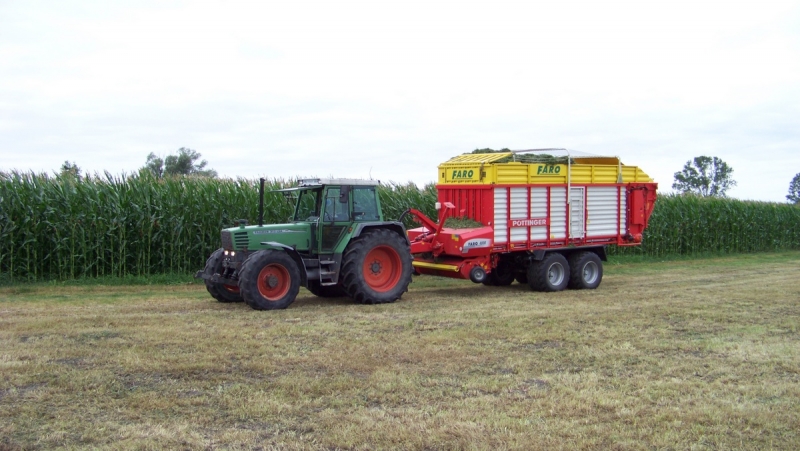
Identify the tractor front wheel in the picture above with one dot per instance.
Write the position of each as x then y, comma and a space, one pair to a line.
376, 267
220, 291
269, 280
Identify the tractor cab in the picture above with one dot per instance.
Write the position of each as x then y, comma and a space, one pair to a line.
330, 206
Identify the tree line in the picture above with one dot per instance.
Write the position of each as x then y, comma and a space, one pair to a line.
185, 161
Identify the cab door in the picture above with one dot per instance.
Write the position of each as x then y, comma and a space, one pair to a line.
334, 217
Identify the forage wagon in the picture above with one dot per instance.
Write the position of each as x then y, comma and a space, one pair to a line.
543, 217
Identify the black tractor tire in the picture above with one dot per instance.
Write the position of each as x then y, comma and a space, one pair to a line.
220, 291
586, 271
269, 280
502, 275
326, 291
376, 267
521, 277
549, 274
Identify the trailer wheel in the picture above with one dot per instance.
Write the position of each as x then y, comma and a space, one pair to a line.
326, 291
586, 270
502, 275
549, 274
376, 267
269, 280
521, 276
220, 291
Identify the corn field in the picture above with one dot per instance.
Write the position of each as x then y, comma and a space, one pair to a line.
63, 228
54, 227
693, 225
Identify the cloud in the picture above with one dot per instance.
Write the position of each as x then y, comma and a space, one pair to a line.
392, 90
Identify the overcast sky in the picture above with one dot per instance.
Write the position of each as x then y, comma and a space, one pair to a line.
392, 89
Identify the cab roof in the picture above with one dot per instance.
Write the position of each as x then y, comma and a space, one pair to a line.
320, 182
316, 182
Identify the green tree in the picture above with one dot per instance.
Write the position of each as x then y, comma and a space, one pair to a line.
794, 190
155, 165
706, 176
185, 162
70, 169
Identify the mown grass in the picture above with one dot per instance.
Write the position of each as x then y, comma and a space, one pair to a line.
675, 355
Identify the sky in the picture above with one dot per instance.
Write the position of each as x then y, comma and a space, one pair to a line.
389, 90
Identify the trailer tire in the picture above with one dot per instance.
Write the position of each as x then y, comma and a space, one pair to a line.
502, 275
220, 291
269, 280
521, 276
586, 270
376, 267
326, 291
549, 274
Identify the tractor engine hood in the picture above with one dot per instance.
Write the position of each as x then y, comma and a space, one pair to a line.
296, 235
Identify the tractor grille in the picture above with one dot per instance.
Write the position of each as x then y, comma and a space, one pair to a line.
235, 240
227, 241
241, 240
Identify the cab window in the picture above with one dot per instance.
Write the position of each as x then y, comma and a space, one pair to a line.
307, 206
365, 205
334, 209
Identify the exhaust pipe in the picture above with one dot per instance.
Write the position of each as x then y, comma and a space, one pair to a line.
261, 204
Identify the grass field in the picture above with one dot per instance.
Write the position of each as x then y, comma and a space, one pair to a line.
691, 354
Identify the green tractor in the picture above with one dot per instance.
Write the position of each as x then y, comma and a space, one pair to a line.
337, 244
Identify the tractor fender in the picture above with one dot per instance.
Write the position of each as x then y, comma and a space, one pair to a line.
394, 226
301, 266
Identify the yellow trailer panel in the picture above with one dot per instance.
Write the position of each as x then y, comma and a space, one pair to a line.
496, 169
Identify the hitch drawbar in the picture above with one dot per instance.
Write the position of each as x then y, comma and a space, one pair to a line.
215, 278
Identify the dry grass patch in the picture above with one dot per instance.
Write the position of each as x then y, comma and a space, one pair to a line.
691, 354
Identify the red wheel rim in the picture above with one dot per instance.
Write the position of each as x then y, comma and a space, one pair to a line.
273, 282
382, 268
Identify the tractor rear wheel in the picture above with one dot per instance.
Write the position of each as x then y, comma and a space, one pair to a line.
326, 291
269, 280
376, 267
220, 291
586, 270
549, 274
